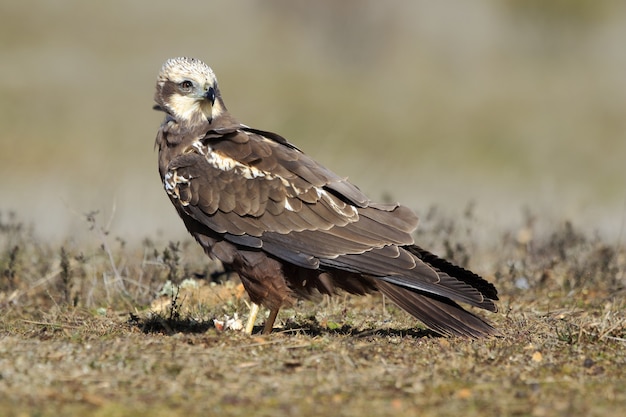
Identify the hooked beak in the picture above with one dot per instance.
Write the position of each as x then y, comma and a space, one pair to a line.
207, 104
210, 95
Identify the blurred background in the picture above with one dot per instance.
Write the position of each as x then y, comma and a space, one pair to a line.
509, 106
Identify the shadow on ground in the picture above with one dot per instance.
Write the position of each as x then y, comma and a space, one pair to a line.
307, 327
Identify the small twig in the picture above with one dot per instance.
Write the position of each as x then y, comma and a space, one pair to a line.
43, 323
113, 210
109, 253
41, 281
51, 275
619, 339
619, 238
102, 233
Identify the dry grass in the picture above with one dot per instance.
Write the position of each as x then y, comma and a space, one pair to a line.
85, 332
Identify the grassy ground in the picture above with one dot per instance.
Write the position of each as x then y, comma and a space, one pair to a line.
86, 332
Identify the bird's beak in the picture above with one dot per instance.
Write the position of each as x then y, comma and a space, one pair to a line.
210, 95
207, 104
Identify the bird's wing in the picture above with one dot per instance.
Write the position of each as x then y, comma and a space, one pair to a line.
259, 191
250, 186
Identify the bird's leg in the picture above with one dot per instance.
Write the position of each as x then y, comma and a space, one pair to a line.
254, 310
269, 323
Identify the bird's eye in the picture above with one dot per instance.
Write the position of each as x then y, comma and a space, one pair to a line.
185, 85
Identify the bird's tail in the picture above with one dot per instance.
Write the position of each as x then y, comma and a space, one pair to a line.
440, 313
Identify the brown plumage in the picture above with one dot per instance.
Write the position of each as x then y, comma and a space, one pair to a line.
287, 225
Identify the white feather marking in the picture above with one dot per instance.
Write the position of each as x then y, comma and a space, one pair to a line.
219, 162
200, 147
224, 163
346, 209
171, 182
168, 183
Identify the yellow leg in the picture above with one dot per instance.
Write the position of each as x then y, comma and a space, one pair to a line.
269, 323
254, 310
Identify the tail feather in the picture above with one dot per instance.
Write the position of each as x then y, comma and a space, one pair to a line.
439, 313
435, 309
487, 289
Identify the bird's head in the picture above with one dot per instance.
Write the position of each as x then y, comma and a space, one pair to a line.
187, 89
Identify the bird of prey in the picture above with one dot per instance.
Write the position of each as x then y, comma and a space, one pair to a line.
290, 227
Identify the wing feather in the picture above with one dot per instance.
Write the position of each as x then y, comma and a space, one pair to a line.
292, 202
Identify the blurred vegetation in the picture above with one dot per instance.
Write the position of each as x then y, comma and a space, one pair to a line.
502, 103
